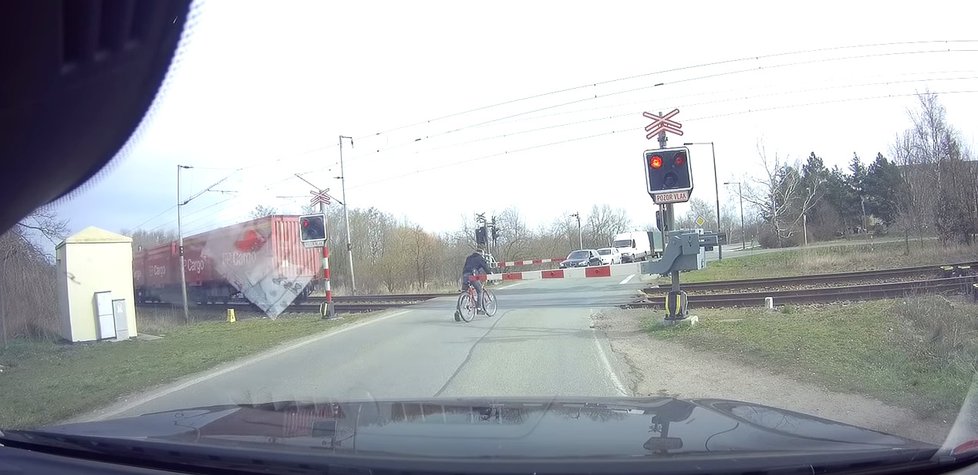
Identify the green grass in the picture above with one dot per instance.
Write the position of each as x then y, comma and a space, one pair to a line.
44, 382
915, 353
825, 259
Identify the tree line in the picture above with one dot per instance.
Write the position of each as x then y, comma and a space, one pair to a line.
928, 186
392, 255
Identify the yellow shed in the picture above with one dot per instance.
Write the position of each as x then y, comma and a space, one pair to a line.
95, 291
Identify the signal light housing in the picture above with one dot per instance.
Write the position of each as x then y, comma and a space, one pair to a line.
668, 170
312, 227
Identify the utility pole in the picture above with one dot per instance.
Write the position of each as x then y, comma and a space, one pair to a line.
580, 234
743, 230
181, 204
183, 276
716, 189
495, 248
346, 216
804, 226
862, 203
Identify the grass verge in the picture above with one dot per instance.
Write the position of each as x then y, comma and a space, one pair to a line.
918, 353
829, 259
45, 382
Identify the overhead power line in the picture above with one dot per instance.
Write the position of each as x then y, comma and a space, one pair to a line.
665, 71
636, 129
596, 97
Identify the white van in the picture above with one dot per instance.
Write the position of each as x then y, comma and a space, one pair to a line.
637, 246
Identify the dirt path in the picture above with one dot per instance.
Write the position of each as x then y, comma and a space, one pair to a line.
661, 368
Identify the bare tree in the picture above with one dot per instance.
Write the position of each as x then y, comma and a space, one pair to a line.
28, 278
937, 170
514, 236
260, 211
782, 196
603, 224
423, 253
698, 208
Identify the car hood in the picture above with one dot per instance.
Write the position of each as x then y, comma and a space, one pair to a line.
573, 261
505, 428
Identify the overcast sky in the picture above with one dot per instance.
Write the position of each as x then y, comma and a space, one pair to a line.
262, 90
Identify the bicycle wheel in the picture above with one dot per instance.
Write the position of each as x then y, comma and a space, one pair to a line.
466, 307
489, 302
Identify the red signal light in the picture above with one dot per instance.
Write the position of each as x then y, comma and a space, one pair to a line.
680, 159
655, 162
305, 223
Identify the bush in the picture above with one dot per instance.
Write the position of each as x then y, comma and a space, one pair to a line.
767, 238
947, 330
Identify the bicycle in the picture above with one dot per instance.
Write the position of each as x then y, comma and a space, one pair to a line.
465, 308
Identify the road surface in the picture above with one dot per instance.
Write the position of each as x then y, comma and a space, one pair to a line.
540, 343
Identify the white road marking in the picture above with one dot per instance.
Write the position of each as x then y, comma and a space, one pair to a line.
241, 364
626, 279
608, 368
511, 286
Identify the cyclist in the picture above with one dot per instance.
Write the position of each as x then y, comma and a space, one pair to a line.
475, 264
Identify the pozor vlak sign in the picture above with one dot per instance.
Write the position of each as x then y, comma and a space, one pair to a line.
668, 175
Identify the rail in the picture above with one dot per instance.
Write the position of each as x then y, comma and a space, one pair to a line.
344, 304
824, 295
812, 279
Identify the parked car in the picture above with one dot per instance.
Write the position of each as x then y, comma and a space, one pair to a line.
609, 255
581, 258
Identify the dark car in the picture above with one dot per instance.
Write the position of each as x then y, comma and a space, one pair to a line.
566, 435
581, 258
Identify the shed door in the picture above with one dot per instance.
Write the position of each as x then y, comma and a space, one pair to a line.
103, 313
121, 319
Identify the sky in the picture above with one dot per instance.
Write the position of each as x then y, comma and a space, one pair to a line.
461, 107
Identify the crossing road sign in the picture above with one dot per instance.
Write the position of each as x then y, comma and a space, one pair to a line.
319, 196
661, 123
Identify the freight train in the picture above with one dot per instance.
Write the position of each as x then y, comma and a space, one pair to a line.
261, 260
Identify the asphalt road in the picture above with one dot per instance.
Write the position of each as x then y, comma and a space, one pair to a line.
540, 343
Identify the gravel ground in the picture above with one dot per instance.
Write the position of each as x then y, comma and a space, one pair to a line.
660, 368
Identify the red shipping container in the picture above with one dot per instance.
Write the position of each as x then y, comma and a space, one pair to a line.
262, 258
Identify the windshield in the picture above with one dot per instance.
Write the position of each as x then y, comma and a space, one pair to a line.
295, 217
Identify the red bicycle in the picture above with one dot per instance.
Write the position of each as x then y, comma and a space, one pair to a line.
466, 307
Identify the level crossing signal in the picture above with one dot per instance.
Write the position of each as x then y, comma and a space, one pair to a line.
668, 174
312, 227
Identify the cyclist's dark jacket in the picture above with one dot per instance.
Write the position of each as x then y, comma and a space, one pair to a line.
474, 263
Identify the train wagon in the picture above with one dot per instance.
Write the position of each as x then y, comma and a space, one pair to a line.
261, 259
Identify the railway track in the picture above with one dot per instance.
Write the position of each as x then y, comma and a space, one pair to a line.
905, 272
344, 304
824, 295
379, 298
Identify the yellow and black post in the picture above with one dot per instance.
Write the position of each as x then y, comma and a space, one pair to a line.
677, 305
